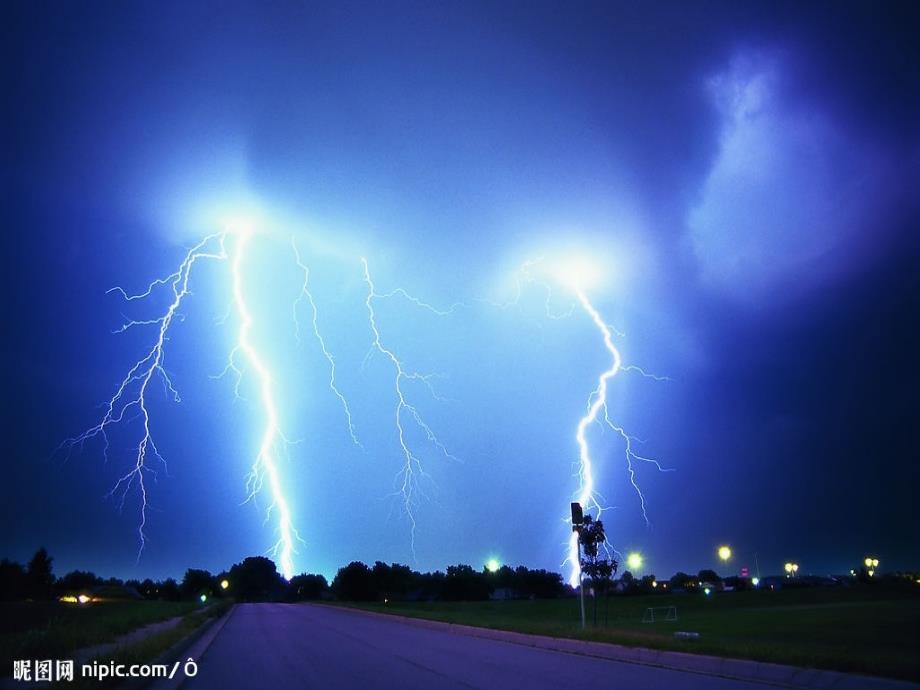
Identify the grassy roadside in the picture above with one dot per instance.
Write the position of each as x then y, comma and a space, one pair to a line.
867, 630
48, 630
148, 650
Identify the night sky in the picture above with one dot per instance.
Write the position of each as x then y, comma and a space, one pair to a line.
743, 176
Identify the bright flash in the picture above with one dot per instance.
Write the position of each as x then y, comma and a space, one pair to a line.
725, 553
224, 584
493, 565
634, 561
577, 273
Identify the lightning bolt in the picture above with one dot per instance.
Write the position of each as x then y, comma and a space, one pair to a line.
597, 402
305, 294
412, 470
132, 393
265, 464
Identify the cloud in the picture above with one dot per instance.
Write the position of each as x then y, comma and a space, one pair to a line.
790, 191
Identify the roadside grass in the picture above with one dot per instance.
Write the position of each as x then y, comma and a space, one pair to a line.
52, 630
871, 630
150, 649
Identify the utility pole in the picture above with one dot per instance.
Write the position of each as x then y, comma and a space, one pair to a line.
578, 520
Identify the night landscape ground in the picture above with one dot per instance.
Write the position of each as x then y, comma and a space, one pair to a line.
459, 344
873, 631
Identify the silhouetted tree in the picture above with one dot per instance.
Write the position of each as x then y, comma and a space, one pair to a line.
709, 575
195, 583
307, 587
599, 570
39, 576
148, 589
462, 583
682, 580
13, 585
77, 581
167, 590
355, 582
257, 579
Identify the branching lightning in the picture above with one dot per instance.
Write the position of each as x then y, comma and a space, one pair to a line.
412, 470
132, 392
305, 294
131, 399
597, 402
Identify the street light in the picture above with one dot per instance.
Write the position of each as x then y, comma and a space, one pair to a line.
725, 553
791, 569
224, 584
634, 561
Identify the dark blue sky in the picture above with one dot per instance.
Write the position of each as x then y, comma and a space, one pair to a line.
744, 176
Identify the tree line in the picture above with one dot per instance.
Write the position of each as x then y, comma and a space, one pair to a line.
257, 579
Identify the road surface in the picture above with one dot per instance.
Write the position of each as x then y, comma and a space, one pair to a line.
265, 646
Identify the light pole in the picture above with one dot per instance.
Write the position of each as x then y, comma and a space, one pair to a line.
578, 519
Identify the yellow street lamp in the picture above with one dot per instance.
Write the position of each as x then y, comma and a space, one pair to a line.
724, 552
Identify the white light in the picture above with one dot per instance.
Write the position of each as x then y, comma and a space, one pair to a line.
755, 581
493, 565
577, 272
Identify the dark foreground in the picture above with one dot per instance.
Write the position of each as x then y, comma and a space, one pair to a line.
290, 645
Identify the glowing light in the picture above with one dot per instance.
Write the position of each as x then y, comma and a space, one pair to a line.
493, 565
725, 553
407, 478
654, 583
707, 591
68, 599
224, 584
634, 561
755, 581
203, 598
83, 598
868, 562
577, 273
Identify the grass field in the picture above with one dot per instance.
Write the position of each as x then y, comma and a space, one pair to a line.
870, 630
52, 630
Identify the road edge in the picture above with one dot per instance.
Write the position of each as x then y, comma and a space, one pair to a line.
735, 669
195, 645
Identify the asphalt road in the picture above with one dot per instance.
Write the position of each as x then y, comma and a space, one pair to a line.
264, 646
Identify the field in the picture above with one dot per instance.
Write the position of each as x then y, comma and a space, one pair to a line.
872, 630
52, 630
